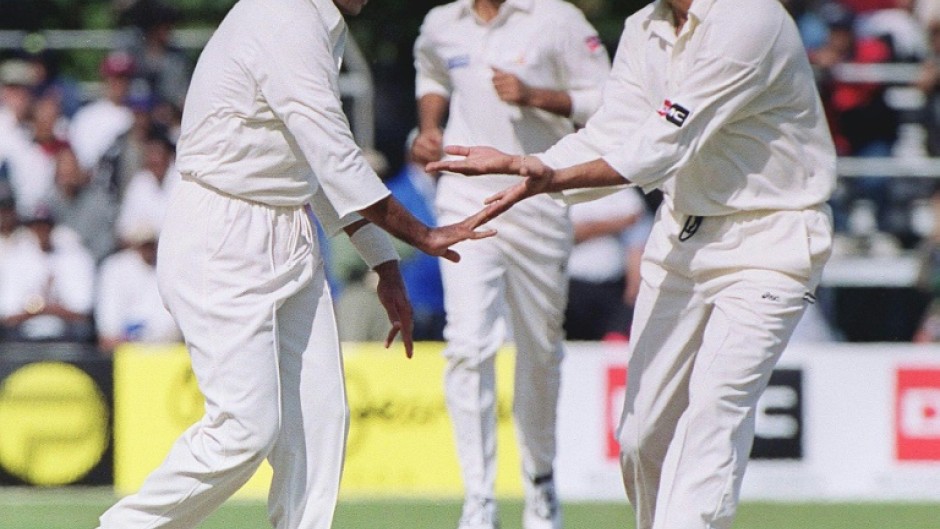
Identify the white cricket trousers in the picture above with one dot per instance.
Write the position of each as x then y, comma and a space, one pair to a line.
521, 275
245, 282
714, 313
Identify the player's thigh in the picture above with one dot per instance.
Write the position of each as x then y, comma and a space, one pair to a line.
753, 318
474, 299
536, 297
669, 322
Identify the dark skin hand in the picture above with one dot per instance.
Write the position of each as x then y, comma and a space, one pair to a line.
394, 297
391, 216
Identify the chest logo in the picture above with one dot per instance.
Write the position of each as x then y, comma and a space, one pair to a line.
458, 61
593, 43
674, 113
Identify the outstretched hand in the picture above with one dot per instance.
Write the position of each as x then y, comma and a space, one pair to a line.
440, 239
476, 161
487, 160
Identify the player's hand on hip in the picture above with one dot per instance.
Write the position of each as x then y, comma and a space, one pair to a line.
510, 89
394, 298
428, 146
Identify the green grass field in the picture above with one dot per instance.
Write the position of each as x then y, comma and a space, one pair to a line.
79, 509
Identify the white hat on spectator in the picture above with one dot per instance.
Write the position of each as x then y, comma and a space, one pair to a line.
16, 72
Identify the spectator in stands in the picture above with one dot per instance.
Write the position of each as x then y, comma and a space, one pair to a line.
46, 284
51, 83
48, 124
129, 307
813, 29
9, 220
82, 206
97, 125
927, 11
147, 193
899, 27
165, 67
597, 267
860, 119
23, 161
125, 158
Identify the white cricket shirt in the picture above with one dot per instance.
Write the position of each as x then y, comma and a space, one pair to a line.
724, 117
263, 119
546, 43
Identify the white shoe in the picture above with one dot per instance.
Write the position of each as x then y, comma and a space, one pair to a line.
479, 513
541, 510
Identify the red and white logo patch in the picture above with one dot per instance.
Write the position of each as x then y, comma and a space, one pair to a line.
593, 43
673, 112
917, 415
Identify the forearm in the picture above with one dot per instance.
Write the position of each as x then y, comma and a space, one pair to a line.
432, 109
554, 101
390, 215
596, 173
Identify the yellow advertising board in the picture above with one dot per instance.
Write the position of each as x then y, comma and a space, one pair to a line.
55, 423
400, 436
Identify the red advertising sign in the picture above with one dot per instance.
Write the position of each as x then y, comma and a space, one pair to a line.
613, 407
917, 414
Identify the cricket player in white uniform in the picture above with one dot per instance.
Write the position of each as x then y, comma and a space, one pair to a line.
517, 74
239, 268
714, 102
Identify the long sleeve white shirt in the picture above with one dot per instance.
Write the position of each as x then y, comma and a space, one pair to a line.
263, 119
546, 43
723, 117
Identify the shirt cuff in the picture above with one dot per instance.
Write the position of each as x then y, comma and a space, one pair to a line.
425, 86
583, 105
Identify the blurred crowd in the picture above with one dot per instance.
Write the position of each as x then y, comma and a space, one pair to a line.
85, 175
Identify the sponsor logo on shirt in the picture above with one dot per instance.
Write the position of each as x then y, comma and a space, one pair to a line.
673, 112
458, 61
593, 43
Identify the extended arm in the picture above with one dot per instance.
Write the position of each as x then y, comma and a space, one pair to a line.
540, 178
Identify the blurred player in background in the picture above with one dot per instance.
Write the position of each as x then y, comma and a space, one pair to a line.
714, 102
519, 75
239, 268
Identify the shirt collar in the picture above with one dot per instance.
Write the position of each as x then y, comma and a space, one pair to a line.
466, 6
660, 20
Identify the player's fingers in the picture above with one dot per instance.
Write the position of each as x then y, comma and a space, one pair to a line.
451, 256
483, 234
444, 165
457, 150
494, 198
407, 340
392, 333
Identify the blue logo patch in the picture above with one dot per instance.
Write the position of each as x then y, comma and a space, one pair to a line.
458, 62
